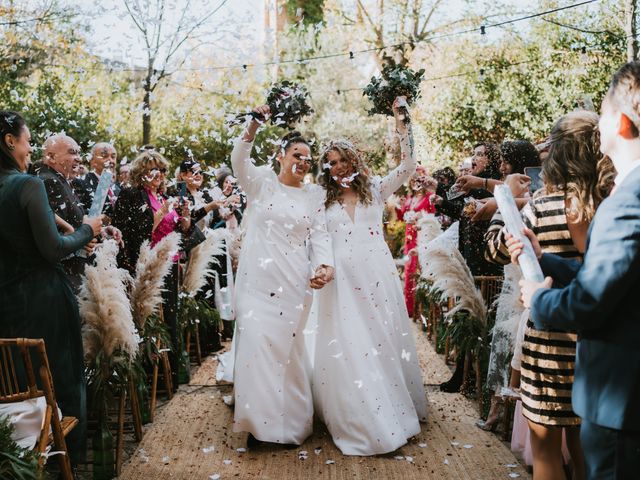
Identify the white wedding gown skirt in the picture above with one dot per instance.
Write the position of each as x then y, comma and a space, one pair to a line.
285, 240
367, 383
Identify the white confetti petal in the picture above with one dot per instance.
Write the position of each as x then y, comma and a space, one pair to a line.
241, 450
422, 445
329, 462
215, 476
209, 449
468, 446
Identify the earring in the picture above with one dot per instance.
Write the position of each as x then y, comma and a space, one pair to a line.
12, 147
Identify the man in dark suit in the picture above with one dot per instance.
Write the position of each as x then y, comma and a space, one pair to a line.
599, 298
61, 157
103, 155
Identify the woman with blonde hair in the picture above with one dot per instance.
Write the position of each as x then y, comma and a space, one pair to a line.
366, 382
576, 178
144, 212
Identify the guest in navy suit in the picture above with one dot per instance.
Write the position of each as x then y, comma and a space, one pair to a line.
599, 298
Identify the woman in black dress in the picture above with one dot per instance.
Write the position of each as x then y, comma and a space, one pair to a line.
143, 212
36, 299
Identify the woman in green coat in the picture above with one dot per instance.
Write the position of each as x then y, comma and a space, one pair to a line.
36, 300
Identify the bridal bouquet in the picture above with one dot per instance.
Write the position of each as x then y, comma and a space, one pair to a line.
287, 102
395, 81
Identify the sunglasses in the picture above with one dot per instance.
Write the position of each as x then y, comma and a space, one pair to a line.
158, 170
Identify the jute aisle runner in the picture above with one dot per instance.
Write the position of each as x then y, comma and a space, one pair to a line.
191, 438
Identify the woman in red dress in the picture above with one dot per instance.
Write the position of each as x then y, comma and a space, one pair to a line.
417, 203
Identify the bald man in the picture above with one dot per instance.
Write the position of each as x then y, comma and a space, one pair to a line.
103, 155
61, 158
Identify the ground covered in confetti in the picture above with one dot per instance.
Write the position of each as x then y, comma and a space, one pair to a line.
191, 438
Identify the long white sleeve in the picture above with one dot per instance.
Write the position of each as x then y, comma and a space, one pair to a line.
407, 167
249, 176
321, 248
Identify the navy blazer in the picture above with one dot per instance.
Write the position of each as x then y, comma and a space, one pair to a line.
602, 303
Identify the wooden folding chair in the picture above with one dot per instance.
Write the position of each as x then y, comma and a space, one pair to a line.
195, 340
163, 361
13, 389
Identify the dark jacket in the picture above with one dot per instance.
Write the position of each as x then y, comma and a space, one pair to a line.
133, 215
471, 239
65, 203
600, 303
62, 198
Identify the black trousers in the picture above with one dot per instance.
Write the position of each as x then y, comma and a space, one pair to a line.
610, 454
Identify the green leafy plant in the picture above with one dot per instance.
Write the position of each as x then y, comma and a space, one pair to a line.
16, 463
194, 310
287, 102
467, 333
395, 81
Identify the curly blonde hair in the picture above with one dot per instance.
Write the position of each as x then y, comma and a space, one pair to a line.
146, 160
361, 184
575, 165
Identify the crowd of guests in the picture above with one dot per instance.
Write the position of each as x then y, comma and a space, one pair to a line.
560, 346
47, 240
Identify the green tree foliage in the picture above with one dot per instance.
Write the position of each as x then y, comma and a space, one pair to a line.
517, 87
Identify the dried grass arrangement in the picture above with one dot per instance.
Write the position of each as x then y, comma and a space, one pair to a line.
153, 266
105, 307
444, 267
200, 260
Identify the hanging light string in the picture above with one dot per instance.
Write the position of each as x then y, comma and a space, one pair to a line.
349, 53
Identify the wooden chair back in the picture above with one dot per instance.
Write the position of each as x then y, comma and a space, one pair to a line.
18, 382
17, 376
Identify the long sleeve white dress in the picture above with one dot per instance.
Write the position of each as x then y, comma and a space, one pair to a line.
367, 383
285, 240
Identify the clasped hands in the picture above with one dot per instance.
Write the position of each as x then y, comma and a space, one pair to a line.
527, 287
322, 276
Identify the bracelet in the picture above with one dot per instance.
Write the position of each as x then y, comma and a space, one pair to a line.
486, 184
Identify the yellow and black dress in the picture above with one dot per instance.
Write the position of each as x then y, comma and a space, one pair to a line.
548, 356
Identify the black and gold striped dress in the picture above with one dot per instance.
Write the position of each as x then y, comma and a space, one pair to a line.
548, 356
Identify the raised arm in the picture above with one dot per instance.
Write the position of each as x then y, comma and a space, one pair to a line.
244, 170
50, 243
408, 163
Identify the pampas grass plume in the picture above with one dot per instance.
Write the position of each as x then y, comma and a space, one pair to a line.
446, 269
200, 258
104, 306
153, 266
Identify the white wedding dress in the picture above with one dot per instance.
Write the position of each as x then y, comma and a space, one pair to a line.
367, 383
285, 240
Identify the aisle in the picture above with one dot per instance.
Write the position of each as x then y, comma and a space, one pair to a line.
191, 438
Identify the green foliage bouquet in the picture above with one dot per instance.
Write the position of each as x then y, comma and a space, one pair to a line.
395, 81
288, 102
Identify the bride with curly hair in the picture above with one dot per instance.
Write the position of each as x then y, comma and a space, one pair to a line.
367, 384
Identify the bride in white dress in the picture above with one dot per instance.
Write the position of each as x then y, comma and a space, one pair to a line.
286, 241
367, 383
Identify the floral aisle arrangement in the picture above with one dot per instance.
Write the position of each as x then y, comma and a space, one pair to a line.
110, 343
394, 81
154, 264
288, 102
444, 268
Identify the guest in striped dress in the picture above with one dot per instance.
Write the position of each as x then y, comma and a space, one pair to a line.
576, 179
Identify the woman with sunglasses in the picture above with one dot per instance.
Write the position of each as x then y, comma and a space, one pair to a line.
143, 212
286, 250
367, 383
